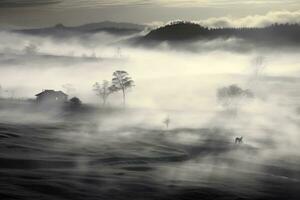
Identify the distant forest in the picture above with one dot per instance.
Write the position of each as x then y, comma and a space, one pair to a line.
276, 33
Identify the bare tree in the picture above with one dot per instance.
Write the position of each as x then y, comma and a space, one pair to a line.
259, 66
121, 82
119, 52
167, 122
103, 90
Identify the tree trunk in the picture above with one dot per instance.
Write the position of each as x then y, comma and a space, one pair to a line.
124, 98
104, 102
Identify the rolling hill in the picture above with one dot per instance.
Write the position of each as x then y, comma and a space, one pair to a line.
187, 31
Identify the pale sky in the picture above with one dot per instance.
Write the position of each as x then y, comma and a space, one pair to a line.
37, 13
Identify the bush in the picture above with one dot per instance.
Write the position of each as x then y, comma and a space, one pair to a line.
76, 102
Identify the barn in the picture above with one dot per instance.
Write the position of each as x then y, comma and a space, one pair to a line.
51, 96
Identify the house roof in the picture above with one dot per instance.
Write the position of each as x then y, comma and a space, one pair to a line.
51, 92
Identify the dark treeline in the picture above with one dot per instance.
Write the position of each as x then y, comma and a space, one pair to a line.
276, 33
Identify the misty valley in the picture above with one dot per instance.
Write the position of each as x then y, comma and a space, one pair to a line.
126, 111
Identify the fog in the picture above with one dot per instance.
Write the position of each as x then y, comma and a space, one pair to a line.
179, 84
167, 80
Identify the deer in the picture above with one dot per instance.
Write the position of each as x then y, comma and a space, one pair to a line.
238, 140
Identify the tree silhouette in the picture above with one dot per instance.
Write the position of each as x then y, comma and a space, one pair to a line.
121, 81
258, 64
103, 90
167, 122
75, 102
232, 95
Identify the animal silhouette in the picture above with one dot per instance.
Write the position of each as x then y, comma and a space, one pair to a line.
238, 140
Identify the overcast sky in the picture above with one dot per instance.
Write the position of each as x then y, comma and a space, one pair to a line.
37, 13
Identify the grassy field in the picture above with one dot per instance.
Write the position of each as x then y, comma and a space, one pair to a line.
84, 159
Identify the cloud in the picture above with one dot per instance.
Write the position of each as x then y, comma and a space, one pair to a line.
165, 3
26, 3
174, 3
254, 20
219, 3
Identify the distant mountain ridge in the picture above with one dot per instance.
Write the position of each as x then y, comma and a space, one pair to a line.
117, 28
176, 32
110, 24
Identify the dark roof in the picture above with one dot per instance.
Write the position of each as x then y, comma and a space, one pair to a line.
51, 92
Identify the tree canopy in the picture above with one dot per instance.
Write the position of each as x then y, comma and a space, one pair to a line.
121, 81
232, 95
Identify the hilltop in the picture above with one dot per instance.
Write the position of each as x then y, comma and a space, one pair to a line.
185, 31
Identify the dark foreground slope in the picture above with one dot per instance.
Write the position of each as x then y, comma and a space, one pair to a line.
84, 161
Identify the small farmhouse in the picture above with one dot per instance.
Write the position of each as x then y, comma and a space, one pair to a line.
51, 96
